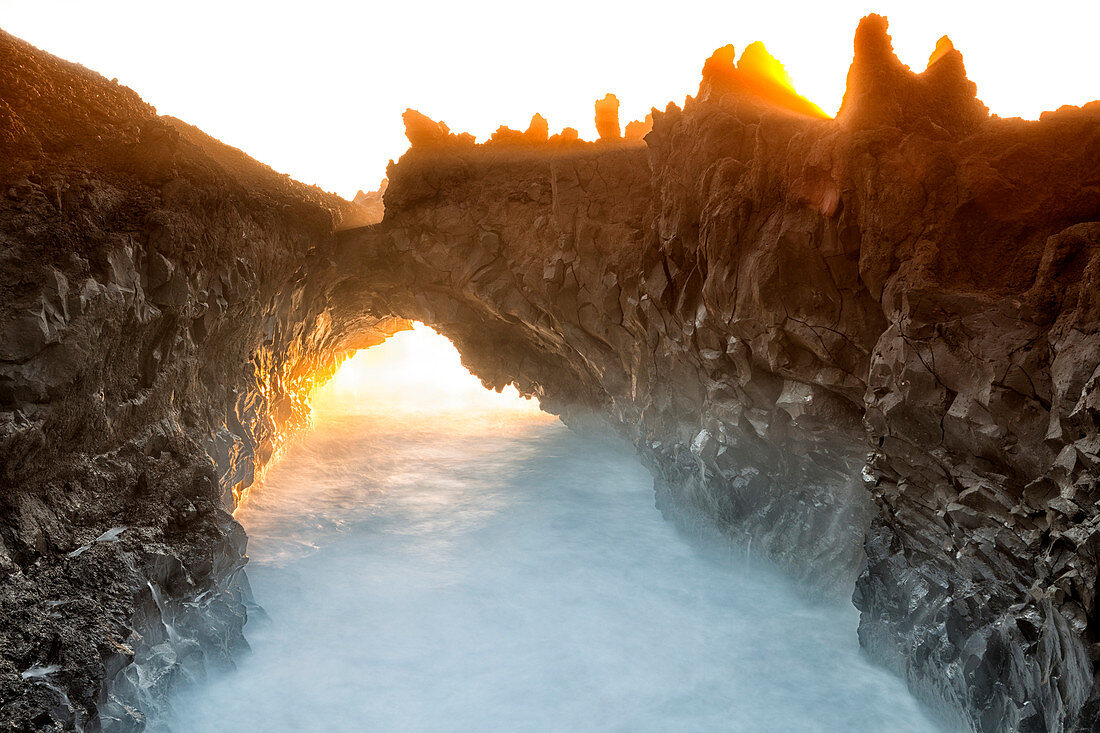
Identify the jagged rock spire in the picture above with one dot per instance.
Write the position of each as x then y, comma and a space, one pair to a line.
539, 129
607, 118
423, 131
884, 92
756, 76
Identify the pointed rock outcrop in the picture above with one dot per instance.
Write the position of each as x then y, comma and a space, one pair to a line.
638, 129
538, 131
423, 131
757, 77
884, 92
607, 118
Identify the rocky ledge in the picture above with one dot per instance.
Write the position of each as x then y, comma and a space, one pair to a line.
866, 348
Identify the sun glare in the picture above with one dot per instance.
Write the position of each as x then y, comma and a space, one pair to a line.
417, 371
316, 90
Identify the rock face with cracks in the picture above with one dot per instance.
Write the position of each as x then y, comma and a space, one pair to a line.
165, 310
866, 348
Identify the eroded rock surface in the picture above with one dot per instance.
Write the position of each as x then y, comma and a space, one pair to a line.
876, 334
165, 308
866, 348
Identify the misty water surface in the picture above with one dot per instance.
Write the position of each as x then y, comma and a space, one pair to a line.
459, 562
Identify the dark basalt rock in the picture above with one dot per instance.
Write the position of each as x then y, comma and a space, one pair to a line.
164, 312
815, 332
866, 348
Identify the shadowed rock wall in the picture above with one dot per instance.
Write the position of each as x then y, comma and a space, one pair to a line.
875, 334
164, 311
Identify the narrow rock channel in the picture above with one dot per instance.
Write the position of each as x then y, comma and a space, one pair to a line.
434, 556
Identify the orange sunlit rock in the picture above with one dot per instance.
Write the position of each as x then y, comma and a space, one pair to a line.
369, 206
423, 131
757, 74
944, 46
538, 131
568, 135
882, 91
505, 135
756, 62
638, 129
607, 118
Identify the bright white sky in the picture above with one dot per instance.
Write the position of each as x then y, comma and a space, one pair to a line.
316, 88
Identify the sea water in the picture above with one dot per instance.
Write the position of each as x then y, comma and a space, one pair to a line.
436, 557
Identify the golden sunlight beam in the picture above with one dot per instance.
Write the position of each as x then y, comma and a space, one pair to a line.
758, 73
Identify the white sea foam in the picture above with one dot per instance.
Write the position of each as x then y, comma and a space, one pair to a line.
473, 571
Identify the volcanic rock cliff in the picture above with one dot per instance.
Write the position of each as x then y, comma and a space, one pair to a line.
164, 314
869, 335
867, 348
